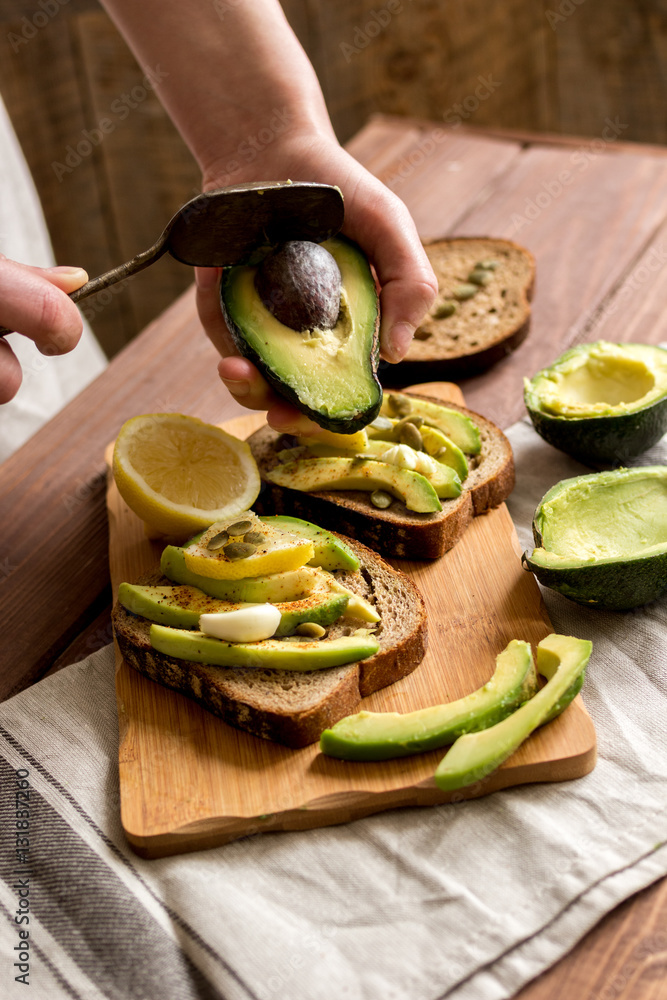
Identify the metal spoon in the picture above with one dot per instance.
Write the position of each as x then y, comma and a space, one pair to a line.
223, 227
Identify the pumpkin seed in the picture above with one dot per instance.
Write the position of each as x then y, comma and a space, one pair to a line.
479, 277
421, 333
239, 550
463, 292
254, 537
488, 265
445, 309
217, 541
409, 434
311, 629
239, 527
413, 419
381, 499
399, 405
382, 423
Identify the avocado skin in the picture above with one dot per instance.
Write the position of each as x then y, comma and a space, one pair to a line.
619, 586
341, 425
603, 441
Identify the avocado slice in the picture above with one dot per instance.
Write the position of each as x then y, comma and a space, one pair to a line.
182, 606
329, 374
442, 448
601, 538
276, 588
562, 660
454, 424
312, 474
384, 735
330, 552
357, 606
276, 654
444, 479
602, 403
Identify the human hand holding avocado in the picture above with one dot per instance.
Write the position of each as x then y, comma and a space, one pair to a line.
379, 222
246, 99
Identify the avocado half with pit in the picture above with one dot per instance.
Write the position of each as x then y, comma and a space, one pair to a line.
602, 403
311, 329
601, 539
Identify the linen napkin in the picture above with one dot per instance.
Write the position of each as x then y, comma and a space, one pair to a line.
467, 901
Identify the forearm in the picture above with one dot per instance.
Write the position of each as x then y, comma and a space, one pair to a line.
229, 74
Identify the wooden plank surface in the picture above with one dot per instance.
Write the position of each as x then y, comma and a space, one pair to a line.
189, 781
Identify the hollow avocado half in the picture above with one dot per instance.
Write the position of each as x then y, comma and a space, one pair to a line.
329, 374
601, 539
602, 403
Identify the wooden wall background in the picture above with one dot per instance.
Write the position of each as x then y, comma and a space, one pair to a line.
562, 66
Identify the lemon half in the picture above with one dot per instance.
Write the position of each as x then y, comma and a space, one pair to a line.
179, 474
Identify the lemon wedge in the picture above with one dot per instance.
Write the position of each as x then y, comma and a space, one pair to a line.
179, 474
246, 548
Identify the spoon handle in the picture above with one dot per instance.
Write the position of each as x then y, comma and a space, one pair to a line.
138, 263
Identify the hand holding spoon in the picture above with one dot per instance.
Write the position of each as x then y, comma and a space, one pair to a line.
220, 228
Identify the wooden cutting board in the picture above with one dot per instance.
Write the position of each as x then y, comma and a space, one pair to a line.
188, 781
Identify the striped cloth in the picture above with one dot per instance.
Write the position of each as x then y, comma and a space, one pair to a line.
467, 901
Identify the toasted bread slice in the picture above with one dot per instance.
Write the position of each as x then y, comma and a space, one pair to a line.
294, 708
484, 328
396, 531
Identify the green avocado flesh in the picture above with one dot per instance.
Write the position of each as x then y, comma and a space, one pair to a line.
455, 425
274, 654
602, 403
330, 552
314, 474
601, 539
181, 606
328, 374
274, 589
444, 479
384, 735
562, 660
439, 446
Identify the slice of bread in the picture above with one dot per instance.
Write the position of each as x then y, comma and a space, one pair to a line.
396, 531
294, 708
484, 328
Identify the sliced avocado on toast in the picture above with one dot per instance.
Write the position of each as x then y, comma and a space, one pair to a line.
181, 607
304, 655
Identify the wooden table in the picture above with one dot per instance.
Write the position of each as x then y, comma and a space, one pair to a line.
594, 212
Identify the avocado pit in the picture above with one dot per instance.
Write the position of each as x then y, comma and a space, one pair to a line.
300, 284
